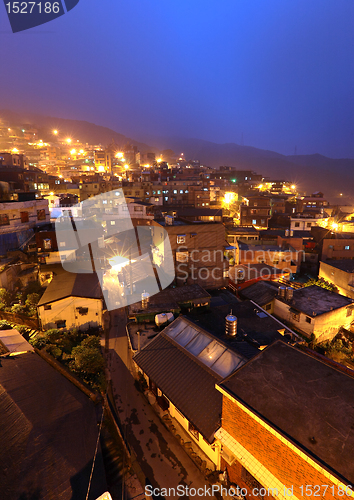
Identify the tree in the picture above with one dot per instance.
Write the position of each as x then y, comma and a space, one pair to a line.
32, 299
88, 360
92, 341
5, 297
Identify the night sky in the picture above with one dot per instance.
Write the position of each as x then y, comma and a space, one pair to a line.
280, 72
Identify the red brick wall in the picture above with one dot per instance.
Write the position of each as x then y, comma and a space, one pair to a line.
285, 464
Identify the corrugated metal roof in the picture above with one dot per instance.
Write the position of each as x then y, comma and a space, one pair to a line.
185, 362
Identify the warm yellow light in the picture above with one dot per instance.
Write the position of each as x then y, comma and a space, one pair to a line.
126, 166
229, 197
14, 151
55, 132
293, 186
60, 176
68, 140
147, 165
51, 193
260, 186
101, 168
73, 152
334, 225
82, 151
159, 160
119, 155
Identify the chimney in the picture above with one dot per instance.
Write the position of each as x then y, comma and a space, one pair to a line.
231, 325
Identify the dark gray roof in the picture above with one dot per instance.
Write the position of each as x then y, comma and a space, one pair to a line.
346, 265
171, 299
303, 398
315, 300
72, 285
48, 434
185, 381
261, 292
254, 328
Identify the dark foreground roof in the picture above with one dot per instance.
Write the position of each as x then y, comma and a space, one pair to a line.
187, 383
70, 284
48, 434
305, 399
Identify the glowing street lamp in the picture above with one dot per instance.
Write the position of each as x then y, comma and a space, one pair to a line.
73, 152
126, 166
55, 132
68, 140
159, 160
293, 187
14, 151
119, 155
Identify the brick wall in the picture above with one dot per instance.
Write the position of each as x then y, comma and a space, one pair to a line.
284, 463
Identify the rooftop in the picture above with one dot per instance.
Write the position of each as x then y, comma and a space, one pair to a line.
309, 402
48, 434
261, 292
315, 300
255, 328
178, 361
71, 285
346, 265
171, 299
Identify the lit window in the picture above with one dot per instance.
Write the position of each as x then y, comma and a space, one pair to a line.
347, 247
181, 238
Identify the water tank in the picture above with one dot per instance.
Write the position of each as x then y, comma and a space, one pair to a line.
281, 292
289, 293
145, 297
163, 318
231, 325
291, 232
287, 232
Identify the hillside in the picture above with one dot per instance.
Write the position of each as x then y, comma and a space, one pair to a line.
309, 172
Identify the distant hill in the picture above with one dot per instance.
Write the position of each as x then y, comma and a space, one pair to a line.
86, 132
309, 172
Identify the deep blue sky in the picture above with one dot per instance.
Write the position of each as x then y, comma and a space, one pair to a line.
279, 71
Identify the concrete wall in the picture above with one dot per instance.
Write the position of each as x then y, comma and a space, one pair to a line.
324, 326
212, 453
339, 278
13, 212
66, 309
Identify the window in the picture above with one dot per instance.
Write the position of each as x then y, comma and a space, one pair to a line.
295, 316
4, 220
308, 320
24, 217
138, 209
47, 307
41, 214
82, 310
181, 238
254, 221
297, 224
193, 430
308, 224
268, 307
225, 273
62, 244
61, 323
182, 256
347, 247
